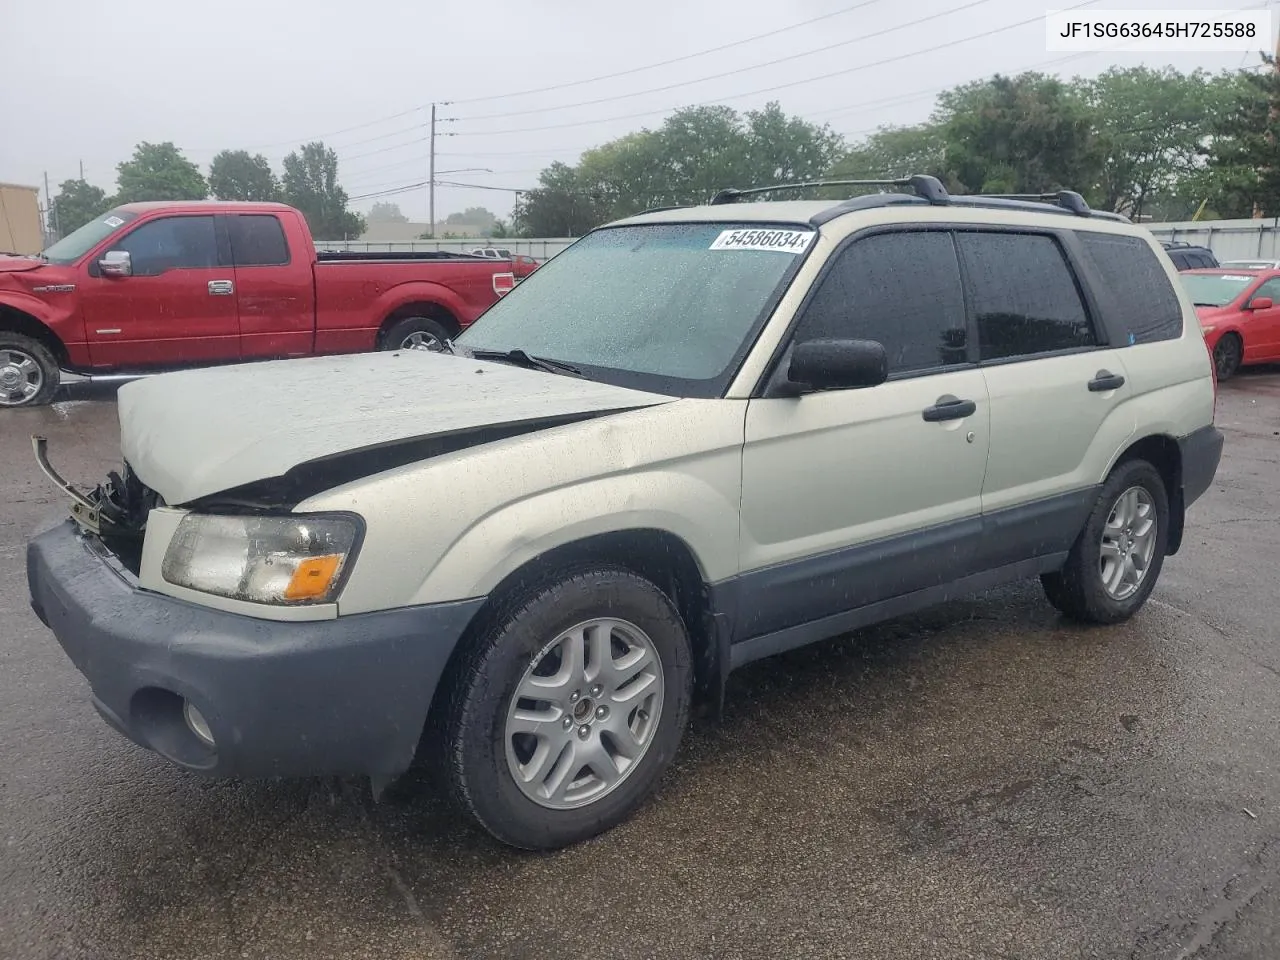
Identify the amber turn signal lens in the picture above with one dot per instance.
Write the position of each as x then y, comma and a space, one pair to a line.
313, 577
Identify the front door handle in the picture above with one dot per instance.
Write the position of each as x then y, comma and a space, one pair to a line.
1105, 380
221, 288
949, 408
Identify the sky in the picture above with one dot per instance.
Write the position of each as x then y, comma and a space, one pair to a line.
82, 81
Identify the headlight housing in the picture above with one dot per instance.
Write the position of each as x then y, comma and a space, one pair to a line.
289, 560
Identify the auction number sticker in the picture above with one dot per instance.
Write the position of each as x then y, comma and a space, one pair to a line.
113, 221
778, 241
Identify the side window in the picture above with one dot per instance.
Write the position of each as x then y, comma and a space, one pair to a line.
257, 240
1023, 295
171, 243
1179, 260
902, 289
1138, 286
1269, 289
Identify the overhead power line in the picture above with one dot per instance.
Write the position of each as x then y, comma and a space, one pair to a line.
729, 73
667, 63
784, 86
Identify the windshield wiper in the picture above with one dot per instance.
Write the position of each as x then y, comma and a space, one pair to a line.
519, 357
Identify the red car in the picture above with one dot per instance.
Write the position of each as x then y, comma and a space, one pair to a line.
151, 286
1240, 312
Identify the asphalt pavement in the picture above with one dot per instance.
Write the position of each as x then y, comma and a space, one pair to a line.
981, 781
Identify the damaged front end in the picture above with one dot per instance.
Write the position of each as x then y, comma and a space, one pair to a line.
115, 511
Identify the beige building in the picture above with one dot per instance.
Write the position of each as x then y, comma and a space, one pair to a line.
386, 231
20, 227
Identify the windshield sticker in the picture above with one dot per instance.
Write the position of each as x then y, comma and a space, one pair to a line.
113, 221
778, 241
1235, 276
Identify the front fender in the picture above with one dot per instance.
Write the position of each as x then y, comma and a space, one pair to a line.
452, 527
61, 317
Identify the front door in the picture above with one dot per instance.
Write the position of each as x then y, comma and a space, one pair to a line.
179, 305
1262, 327
854, 496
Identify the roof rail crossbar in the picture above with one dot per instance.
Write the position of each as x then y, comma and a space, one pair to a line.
1067, 199
930, 188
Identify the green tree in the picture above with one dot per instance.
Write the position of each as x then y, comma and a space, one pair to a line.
311, 185
386, 212
1243, 153
159, 171
1026, 134
76, 204
478, 217
893, 152
557, 207
500, 230
695, 153
1150, 126
236, 175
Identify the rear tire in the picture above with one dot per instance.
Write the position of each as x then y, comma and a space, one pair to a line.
1228, 353
416, 333
1115, 562
29, 373
545, 750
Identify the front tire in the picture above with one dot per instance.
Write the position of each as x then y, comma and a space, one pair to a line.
29, 373
1228, 354
1113, 565
569, 708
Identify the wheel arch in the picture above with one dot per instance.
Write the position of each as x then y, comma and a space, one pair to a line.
1162, 452
15, 320
657, 555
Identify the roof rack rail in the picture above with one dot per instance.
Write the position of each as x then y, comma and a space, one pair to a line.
1067, 199
925, 187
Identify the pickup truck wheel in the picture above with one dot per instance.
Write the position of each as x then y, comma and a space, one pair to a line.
1114, 564
28, 371
416, 333
569, 708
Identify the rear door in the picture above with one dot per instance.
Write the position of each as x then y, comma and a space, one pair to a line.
854, 496
178, 307
1057, 391
275, 288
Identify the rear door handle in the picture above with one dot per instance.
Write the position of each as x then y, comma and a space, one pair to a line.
949, 408
221, 288
1105, 380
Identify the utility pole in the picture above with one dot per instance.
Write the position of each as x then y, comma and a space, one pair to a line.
431, 175
82, 171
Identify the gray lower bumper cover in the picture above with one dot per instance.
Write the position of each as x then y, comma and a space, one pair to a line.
345, 696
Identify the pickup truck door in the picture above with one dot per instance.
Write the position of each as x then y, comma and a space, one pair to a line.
850, 497
177, 307
275, 286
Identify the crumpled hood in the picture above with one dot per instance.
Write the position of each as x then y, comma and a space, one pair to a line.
1210, 314
191, 434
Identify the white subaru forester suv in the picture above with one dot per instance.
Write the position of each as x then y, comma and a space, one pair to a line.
698, 437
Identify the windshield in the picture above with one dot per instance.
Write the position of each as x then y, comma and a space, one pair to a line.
1215, 289
665, 307
79, 242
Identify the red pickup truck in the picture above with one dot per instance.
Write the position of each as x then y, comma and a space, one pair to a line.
150, 286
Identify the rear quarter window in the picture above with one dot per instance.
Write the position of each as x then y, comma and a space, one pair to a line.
1144, 299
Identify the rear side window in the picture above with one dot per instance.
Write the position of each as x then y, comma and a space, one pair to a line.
1023, 295
901, 289
1138, 286
257, 240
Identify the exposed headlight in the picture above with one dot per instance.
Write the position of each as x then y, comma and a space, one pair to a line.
1208, 327
297, 559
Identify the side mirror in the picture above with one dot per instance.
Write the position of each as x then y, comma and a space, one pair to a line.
116, 263
837, 364
1260, 303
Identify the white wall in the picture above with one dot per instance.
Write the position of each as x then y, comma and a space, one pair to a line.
1228, 239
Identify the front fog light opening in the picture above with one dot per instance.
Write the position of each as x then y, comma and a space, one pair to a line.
197, 724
